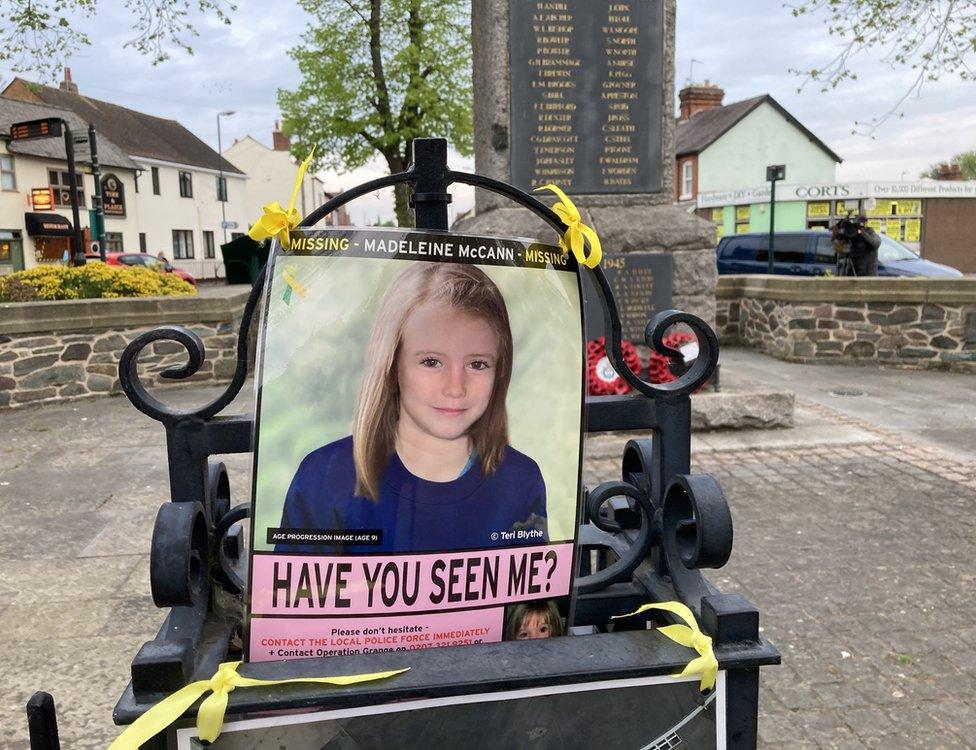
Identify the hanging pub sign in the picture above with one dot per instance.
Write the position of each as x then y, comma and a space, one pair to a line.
42, 199
113, 196
405, 496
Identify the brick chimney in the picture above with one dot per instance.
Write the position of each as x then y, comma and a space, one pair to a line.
281, 140
951, 172
698, 98
67, 84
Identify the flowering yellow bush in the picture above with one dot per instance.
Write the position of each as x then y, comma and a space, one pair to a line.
91, 281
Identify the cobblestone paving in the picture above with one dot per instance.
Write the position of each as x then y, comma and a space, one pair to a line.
860, 561
859, 557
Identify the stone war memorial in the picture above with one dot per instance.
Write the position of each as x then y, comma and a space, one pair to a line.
425, 566
581, 94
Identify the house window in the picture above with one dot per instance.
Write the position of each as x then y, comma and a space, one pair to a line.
182, 244
222, 189
142, 242
208, 245
155, 180
113, 242
186, 185
7, 181
686, 179
60, 183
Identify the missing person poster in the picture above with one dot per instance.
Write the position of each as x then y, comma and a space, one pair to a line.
418, 443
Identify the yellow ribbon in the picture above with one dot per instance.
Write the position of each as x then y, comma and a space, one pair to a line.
689, 636
277, 221
210, 717
288, 276
577, 231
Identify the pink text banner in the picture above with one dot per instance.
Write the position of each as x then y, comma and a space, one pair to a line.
400, 584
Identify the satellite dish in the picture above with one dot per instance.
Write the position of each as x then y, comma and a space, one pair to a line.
870, 204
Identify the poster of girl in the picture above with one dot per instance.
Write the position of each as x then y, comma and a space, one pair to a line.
417, 446
428, 465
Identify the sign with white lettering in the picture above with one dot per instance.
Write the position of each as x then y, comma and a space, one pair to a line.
842, 191
405, 496
113, 196
642, 285
586, 95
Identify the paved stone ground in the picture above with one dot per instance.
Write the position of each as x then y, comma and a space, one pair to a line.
854, 540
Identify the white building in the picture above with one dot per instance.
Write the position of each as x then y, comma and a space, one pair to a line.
728, 146
272, 173
169, 179
30, 236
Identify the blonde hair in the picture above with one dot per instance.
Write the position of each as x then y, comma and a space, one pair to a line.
464, 288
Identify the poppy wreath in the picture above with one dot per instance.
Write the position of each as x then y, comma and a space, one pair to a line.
601, 378
659, 366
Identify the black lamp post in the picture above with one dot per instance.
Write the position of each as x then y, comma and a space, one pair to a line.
774, 173
221, 185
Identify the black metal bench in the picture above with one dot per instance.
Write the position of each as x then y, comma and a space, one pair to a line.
645, 538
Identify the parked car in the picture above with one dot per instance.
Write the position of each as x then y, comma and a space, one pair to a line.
142, 259
811, 253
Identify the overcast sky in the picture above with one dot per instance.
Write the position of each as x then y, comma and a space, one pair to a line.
746, 47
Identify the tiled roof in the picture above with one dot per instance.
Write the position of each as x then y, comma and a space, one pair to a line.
694, 135
138, 134
15, 110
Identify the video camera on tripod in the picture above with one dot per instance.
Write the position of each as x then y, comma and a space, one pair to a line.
857, 246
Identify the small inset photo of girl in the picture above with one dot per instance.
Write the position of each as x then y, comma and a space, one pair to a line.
527, 621
408, 405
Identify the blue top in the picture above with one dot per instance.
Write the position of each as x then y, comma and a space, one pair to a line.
473, 511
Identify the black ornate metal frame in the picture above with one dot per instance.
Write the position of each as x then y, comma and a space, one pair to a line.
644, 538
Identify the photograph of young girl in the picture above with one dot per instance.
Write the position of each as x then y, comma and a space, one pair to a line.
428, 464
527, 621
416, 406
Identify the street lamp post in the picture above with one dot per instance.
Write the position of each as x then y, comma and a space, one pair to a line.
774, 173
221, 187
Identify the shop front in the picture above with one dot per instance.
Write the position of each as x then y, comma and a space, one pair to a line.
51, 234
934, 218
11, 251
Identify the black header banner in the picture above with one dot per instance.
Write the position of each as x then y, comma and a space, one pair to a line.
439, 247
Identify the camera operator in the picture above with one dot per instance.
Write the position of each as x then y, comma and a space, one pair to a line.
857, 247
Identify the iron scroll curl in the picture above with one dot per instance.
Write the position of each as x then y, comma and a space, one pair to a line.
688, 382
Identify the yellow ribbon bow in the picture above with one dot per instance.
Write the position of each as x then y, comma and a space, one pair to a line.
210, 717
277, 221
689, 636
577, 231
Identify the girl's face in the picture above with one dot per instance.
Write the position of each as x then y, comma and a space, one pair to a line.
534, 625
445, 369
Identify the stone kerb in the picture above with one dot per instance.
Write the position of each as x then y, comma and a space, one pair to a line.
909, 322
51, 351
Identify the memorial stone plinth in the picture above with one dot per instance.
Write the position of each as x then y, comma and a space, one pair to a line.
580, 93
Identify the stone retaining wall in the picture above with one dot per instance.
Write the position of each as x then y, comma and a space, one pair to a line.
51, 351
910, 322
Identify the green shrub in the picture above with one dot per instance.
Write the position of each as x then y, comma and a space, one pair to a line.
91, 281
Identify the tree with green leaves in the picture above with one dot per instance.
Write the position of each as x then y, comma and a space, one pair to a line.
375, 75
38, 36
966, 162
932, 38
